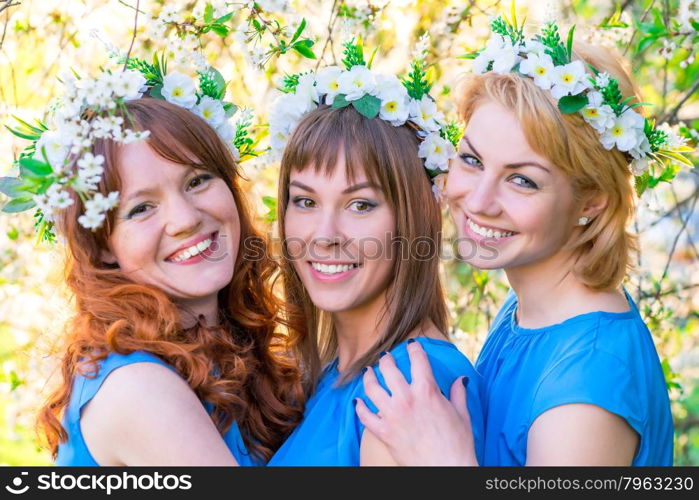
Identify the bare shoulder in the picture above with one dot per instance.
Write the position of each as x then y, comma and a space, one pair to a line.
580, 434
140, 408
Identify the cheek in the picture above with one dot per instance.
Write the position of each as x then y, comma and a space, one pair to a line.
135, 245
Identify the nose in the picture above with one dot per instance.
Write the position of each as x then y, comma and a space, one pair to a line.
327, 233
482, 196
184, 217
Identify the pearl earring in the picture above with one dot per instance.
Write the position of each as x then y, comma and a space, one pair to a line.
583, 221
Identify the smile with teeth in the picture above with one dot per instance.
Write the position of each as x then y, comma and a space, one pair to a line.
488, 232
190, 252
333, 268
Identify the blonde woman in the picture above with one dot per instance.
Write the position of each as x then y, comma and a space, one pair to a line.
570, 372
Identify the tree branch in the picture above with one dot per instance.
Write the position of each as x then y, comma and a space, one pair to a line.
8, 4
672, 114
133, 38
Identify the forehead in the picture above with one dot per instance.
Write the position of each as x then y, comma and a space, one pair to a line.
339, 176
139, 165
496, 132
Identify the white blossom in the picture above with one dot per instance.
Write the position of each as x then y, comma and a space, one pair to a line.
540, 68
601, 116
129, 85
394, 107
626, 133
569, 79
211, 110
327, 83
55, 148
356, 83
500, 51
424, 113
436, 151
58, 198
179, 89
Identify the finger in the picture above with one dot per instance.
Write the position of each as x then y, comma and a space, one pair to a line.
370, 420
395, 381
458, 399
420, 368
375, 392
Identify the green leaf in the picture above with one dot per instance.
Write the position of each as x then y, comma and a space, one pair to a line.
229, 108
18, 205
340, 101
22, 135
569, 43
641, 183
298, 31
572, 103
303, 47
645, 42
156, 92
12, 187
13, 234
34, 168
220, 29
208, 13
219, 81
224, 19
368, 106
271, 203
42, 128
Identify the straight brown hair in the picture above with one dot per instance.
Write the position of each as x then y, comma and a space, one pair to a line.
388, 156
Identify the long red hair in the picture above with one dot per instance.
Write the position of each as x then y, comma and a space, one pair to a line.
240, 366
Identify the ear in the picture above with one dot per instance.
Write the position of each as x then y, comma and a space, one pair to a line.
108, 257
594, 205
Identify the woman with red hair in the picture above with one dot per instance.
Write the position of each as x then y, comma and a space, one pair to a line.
175, 329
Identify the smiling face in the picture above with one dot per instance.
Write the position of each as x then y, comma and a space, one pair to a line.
177, 227
338, 236
511, 206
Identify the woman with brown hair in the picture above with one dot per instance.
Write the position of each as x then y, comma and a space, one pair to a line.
542, 189
173, 356
361, 231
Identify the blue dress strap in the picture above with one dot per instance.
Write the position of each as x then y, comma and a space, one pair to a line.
89, 383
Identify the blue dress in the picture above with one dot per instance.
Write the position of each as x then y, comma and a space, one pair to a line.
330, 432
601, 358
75, 451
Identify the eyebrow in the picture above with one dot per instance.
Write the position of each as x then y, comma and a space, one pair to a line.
350, 189
510, 165
151, 190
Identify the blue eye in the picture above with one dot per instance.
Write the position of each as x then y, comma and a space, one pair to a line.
303, 202
200, 180
524, 182
469, 159
363, 206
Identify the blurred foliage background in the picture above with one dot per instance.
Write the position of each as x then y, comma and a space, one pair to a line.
40, 39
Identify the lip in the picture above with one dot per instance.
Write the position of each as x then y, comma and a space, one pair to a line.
471, 234
333, 278
192, 242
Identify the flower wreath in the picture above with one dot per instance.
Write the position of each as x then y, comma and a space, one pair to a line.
372, 95
654, 153
59, 159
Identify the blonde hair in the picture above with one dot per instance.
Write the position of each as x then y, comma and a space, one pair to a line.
603, 247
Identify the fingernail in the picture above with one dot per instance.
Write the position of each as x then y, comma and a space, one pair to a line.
465, 382
410, 341
383, 353
364, 370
